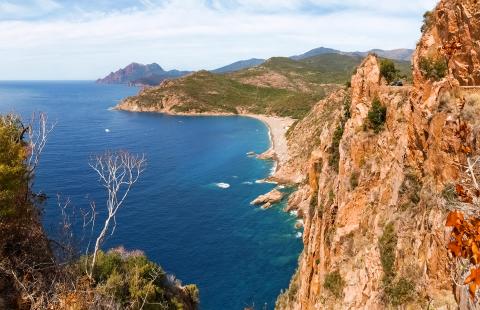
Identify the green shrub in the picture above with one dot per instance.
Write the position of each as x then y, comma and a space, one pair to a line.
354, 180
192, 291
13, 170
399, 292
396, 292
449, 193
410, 189
376, 116
388, 244
334, 283
334, 159
427, 21
388, 70
129, 278
347, 103
433, 68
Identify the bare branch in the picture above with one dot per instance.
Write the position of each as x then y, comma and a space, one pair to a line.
117, 172
36, 135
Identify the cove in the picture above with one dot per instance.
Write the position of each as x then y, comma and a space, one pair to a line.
179, 213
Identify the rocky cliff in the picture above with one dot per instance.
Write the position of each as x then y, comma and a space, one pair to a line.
375, 167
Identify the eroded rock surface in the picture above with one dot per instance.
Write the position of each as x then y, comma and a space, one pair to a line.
375, 233
267, 200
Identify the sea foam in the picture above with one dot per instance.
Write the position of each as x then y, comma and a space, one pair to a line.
223, 185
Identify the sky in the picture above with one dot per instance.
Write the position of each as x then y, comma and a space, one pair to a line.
87, 39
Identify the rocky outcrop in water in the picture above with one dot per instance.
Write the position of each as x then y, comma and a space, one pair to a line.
267, 200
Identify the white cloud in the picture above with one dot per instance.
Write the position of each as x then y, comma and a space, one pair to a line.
27, 9
187, 34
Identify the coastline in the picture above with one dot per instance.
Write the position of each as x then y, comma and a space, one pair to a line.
277, 128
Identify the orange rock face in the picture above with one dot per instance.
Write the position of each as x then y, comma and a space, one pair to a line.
453, 32
390, 183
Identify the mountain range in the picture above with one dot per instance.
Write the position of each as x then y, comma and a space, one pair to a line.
153, 74
396, 54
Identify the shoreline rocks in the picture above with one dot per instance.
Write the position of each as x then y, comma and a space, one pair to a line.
267, 200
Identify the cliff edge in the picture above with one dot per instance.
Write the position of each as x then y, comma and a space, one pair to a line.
377, 177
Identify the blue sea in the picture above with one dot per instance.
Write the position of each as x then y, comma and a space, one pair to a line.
238, 255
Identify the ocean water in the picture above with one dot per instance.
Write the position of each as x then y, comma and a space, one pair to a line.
195, 228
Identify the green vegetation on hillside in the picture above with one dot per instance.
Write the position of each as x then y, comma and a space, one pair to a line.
13, 172
134, 282
207, 92
280, 86
322, 69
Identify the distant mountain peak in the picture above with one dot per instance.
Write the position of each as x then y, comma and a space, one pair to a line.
239, 65
136, 73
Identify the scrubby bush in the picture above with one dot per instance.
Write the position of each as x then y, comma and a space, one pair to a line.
433, 68
131, 280
354, 180
410, 190
444, 102
334, 159
388, 70
387, 244
377, 115
193, 292
13, 171
347, 103
471, 109
334, 283
427, 21
397, 291
449, 193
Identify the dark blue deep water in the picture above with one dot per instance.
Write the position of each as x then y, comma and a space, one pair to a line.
237, 254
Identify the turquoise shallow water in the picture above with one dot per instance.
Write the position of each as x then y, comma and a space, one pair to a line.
237, 254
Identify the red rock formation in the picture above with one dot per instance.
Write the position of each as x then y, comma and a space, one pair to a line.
390, 183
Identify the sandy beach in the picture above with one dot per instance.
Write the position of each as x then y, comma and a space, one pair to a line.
278, 127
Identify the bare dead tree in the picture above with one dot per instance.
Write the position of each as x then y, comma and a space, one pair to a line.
468, 188
36, 135
118, 171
